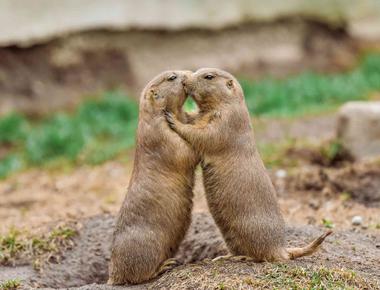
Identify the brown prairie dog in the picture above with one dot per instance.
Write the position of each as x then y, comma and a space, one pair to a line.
239, 192
156, 212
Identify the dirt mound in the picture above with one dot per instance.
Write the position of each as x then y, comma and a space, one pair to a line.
328, 154
361, 181
343, 254
348, 259
87, 262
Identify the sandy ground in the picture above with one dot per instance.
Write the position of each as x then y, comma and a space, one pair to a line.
37, 199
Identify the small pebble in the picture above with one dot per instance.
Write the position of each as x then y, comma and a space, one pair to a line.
281, 173
357, 220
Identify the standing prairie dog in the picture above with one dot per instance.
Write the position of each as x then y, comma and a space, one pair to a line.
238, 189
156, 212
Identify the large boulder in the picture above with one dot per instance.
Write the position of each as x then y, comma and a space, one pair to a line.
358, 128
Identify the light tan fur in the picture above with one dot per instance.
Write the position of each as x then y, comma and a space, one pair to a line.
239, 192
156, 212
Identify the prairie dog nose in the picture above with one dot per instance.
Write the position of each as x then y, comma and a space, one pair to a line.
186, 77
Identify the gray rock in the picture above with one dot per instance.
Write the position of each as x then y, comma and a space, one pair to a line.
358, 128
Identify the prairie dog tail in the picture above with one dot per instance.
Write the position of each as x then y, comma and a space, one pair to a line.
308, 249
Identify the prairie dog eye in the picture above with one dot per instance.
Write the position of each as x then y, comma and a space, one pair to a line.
209, 77
172, 77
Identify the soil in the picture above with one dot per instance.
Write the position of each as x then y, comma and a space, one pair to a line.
360, 182
314, 128
87, 262
309, 193
71, 195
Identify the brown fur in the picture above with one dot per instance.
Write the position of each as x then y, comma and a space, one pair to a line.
156, 212
239, 191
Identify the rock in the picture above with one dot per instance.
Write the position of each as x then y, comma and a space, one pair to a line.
358, 128
281, 173
357, 220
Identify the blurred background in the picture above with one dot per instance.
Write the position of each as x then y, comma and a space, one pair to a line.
71, 73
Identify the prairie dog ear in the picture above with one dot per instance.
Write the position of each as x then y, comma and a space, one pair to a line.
153, 95
230, 84
149, 95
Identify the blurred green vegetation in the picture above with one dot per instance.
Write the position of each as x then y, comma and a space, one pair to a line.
101, 129
97, 131
311, 92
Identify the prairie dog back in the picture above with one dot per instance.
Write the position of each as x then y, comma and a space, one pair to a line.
240, 194
156, 212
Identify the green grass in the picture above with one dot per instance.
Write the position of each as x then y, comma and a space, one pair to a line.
285, 277
101, 129
97, 131
311, 92
328, 223
97, 124
13, 129
240, 275
290, 153
276, 154
20, 245
10, 163
10, 284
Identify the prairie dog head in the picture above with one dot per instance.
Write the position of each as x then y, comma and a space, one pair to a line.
210, 87
165, 91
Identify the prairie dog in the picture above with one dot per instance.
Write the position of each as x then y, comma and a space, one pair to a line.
156, 212
239, 192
